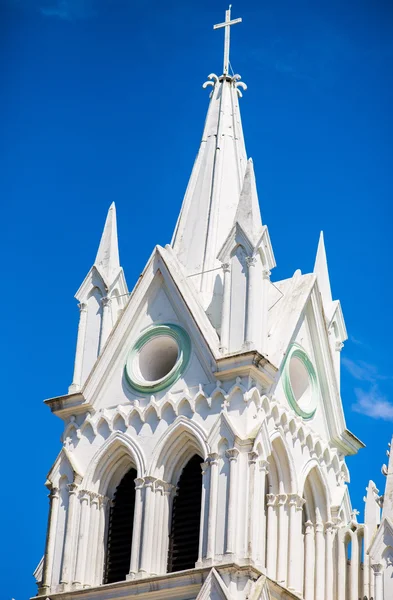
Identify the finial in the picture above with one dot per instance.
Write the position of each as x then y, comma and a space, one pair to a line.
227, 24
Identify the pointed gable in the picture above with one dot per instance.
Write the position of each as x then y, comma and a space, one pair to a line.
213, 588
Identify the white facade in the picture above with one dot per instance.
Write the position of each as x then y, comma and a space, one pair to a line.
207, 357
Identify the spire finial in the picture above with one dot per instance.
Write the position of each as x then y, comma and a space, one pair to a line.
227, 24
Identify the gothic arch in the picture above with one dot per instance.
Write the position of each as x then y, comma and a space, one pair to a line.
179, 443
111, 462
284, 468
315, 490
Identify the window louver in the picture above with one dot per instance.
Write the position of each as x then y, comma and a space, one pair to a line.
186, 512
120, 526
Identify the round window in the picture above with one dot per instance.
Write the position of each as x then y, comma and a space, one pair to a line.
158, 358
300, 383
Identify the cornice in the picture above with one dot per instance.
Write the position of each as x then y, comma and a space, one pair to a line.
67, 405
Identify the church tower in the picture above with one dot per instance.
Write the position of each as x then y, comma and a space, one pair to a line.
204, 438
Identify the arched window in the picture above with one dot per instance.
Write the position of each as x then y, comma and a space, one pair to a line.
120, 526
186, 513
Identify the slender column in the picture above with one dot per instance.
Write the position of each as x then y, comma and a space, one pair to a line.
271, 536
69, 542
319, 562
366, 565
80, 343
251, 300
50, 539
103, 514
226, 308
299, 578
378, 582
309, 561
202, 528
252, 506
262, 518
137, 528
159, 527
264, 306
354, 568
81, 550
106, 324
293, 541
329, 576
93, 539
232, 454
342, 567
148, 526
282, 552
169, 490
211, 533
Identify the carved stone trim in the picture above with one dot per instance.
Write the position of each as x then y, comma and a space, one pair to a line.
232, 454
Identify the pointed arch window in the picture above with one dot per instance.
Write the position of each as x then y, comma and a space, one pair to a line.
186, 513
120, 529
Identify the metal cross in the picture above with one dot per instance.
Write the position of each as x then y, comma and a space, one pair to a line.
227, 24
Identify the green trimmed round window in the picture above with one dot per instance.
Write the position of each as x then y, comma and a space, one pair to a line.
158, 358
300, 382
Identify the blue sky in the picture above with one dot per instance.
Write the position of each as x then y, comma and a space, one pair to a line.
102, 100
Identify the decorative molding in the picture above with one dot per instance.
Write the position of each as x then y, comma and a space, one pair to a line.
183, 342
232, 454
298, 352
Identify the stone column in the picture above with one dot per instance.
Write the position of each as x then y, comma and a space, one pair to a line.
50, 540
294, 536
204, 513
211, 532
366, 565
93, 540
66, 574
251, 301
252, 506
106, 323
319, 561
81, 548
354, 569
309, 561
148, 527
262, 518
103, 516
232, 454
226, 308
80, 343
160, 528
378, 581
137, 528
271, 552
264, 306
342, 567
282, 551
329, 575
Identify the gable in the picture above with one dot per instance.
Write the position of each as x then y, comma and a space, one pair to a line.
309, 335
159, 307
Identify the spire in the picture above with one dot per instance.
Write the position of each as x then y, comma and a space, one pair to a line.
387, 508
107, 260
248, 214
210, 202
322, 273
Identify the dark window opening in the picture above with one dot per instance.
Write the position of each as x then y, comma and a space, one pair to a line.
186, 513
120, 526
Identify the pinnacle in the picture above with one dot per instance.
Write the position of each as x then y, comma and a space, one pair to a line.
107, 260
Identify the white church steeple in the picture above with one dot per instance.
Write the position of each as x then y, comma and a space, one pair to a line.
204, 443
101, 297
220, 206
